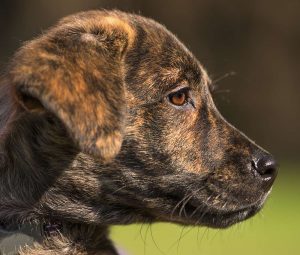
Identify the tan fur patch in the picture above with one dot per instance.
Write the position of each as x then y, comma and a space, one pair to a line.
112, 22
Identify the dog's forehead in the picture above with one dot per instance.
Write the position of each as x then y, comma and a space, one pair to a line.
158, 62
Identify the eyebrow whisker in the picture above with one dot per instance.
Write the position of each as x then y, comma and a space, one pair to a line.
232, 73
222, 91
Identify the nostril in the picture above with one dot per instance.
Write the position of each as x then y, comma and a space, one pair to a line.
269, 173
266, 167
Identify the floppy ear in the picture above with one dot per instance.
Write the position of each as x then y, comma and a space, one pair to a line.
75, 71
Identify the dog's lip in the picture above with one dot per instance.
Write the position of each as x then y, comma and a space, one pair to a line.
225, 220
259, 202
219, 218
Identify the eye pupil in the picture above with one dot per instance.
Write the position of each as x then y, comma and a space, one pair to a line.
178, 98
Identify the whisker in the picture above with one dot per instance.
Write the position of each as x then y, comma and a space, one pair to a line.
146, 233
221, 91
180, 237
178, 204
162, 252
232, 73
184, 204
141, 234
186, 201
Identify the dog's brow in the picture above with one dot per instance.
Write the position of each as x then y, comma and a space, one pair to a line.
176, 78
171, 75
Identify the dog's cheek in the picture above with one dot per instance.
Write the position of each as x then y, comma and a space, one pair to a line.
180, 139
193, 139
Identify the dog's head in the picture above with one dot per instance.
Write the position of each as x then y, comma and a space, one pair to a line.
137, 105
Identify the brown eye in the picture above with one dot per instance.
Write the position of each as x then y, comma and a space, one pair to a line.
178, 98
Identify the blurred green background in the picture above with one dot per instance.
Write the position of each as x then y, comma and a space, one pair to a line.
256, 46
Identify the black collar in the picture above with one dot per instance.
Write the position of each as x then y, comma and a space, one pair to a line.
14, 236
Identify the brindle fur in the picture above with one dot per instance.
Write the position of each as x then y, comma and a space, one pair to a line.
88, 137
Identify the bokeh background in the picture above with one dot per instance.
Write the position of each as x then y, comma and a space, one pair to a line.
251, 50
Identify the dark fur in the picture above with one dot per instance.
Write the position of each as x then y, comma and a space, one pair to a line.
89, 138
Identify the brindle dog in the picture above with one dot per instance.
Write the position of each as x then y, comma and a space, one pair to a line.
106, 119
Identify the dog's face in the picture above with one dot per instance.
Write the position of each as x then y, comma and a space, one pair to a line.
138, 106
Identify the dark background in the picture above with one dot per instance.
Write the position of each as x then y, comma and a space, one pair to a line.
257, 40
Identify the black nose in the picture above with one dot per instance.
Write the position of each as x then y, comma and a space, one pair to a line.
266, 166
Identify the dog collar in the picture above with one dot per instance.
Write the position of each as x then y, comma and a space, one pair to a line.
15, 236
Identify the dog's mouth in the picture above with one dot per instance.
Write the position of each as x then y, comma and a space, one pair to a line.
199, 215
223, 219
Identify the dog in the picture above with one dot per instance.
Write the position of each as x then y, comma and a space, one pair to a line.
107, 118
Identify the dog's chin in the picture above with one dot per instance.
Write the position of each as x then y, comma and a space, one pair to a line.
225, 220
222, 218
219, 219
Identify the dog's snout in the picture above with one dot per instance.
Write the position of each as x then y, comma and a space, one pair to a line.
266, 167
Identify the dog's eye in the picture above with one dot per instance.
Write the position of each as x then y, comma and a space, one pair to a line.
179, 98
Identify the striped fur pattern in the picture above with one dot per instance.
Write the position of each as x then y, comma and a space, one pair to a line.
88, 135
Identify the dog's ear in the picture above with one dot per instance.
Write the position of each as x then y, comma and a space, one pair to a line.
76, 71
